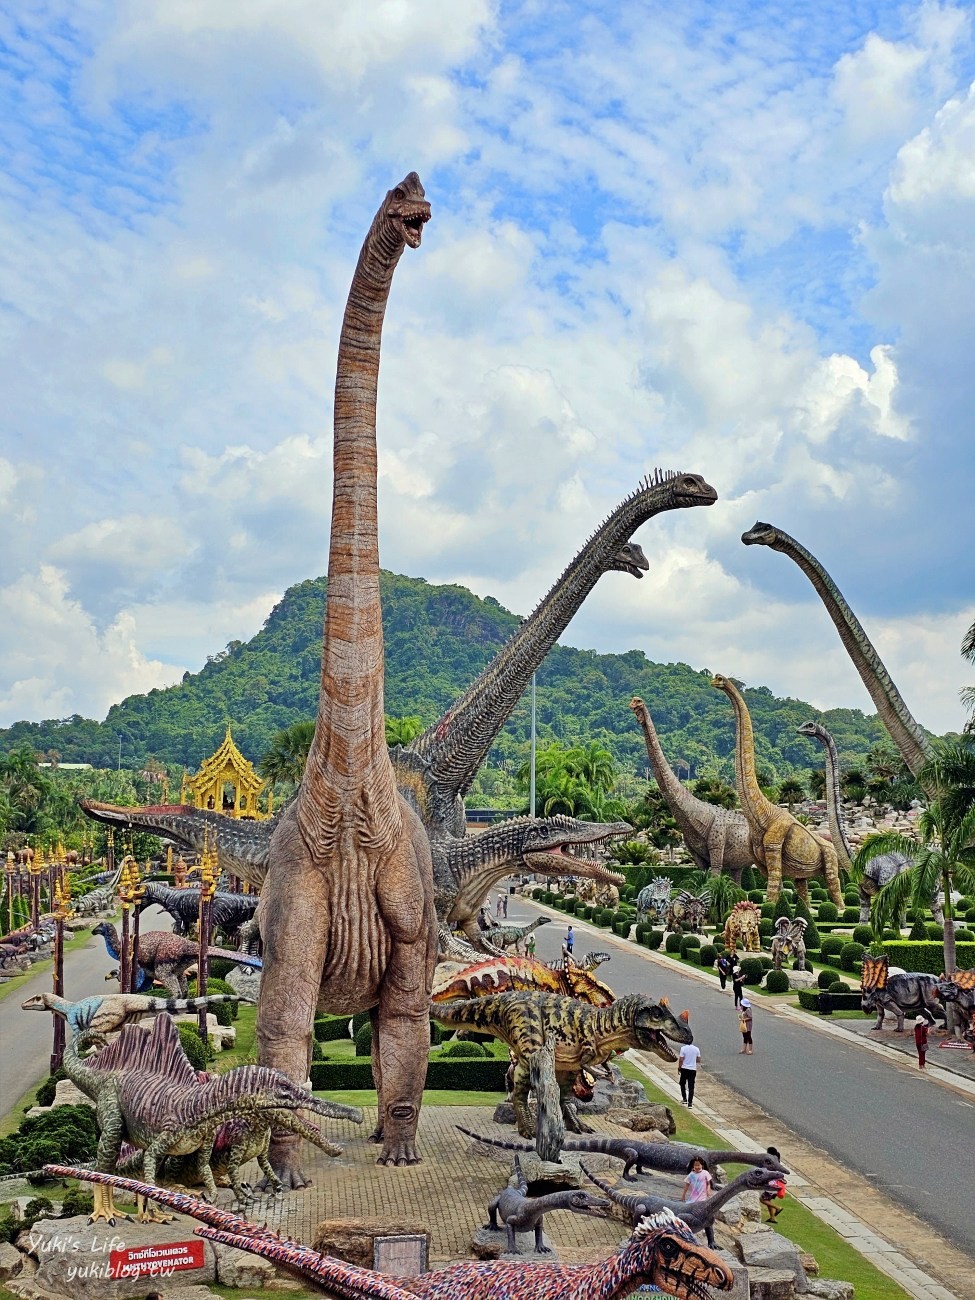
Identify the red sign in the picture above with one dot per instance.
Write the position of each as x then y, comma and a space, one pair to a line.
155, 1261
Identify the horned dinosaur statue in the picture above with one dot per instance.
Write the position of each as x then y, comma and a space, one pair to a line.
880, 870
741, 930
347, 914
911, 994
789, 940
661, 1254
718, 839
582, 1035
698, 1215
167, 957
511, 973
109, 1012
905, 731
660, 1157
598, 893
146, 1091
513, 936
520, 1212
228, 912
653, 900
957, 995
782, 845
688, 911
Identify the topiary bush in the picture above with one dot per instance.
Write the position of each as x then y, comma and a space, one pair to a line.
826, 977
919, 931
832, 946
827, 912
964, 936
863, 934
767, 962
643, 927
782, 908
752, 970
358, 1020
672, 943
652, 939
756, 896
970, 915
851, 897
934, 930
766, 927
464, 1047
891, 934
688, 941
851, 956
850, 914
693, 955
767, 910
330, 1029
198, 1050
363, 1040
839, 987
225, 1012
777, 981
709, 954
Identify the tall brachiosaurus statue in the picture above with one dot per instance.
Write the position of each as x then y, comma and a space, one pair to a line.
718, 839
781, 845
348, 914
905, 731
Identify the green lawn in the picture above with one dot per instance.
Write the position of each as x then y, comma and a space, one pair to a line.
80, 940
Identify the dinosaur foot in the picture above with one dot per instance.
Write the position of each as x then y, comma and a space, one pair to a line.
399, 1154
377, 1134
148, 1212
290, 1179
103, 1207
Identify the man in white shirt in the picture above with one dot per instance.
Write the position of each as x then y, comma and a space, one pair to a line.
687, 1065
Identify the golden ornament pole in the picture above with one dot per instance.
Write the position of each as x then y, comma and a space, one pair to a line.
10, 868
126, 895
138, 894
208, 887
36, 867
62, 910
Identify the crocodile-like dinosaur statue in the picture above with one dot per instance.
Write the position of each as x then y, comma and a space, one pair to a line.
789, 940
782, 845
228, 912
513, 936
661, 1254
347, 910
718, 839
741, 930
582, 1036
911, 994
698, 1215
106, 1013
905, 731
146, 1091
880, 870
167, 957
660, 1157
520, 1212
510, 973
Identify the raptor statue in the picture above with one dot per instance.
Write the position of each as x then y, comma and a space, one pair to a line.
166, 957
107, 1013
782, 845
911, 994
661, 1254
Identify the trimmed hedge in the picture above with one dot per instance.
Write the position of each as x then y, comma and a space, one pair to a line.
752, 970
851, 956
363, 1040
693, 955
777, 981
850, 914
688, 941
200, 1053
329, 1029
225, 1012
832, 945
709, 954
652, 938
672, 943
464, 1047
468, 1076
826, 977
767, 910
827, 912
863, 934
809, 999
840, 986
927, 957
766, 928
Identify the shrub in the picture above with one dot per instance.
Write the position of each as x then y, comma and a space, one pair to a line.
832, 945
643, 927
927, 956
358, 1020
970, 915
68, 1135
45, 1093
688, 941
891, 934
851, 956
919, 931
693, 955
851, 897
768, 910
709, 954
777, 981
851, 914
198, 1050
752, 970
827, 912
622, 928
464, 1047
826, 977
863, 934
782, 908
76, 1201
330, 1029
809, 999
225, 1012
672, 943
756, 896
363, 1040
468, 1074
766, 927
767, 962
605, 916
964, 903
934, 930
964, 936
653, 939
839, 987
570, 905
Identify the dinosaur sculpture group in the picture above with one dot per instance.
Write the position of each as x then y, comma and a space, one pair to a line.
520, 1212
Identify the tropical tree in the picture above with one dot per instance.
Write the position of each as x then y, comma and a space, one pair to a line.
400, 731
713, 790
968, 694
817, 783
724, 895
288, 752
25, 787
790, 791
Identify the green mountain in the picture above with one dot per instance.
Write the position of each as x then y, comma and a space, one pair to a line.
438, 638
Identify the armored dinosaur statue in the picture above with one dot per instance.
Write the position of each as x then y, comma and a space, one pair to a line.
661, 1254
698, 1215
107, 1013
146, 1091
911, 994
782, 845
688, 912
905, 731
520, 1212
582, 1035
347, 911
880, 870
653, 900
513, 936
718, 839
511, 973
741, 930
660, 1157
789, 940
167, 957
228, 912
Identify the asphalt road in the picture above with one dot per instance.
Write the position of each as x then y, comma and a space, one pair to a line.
912, 1137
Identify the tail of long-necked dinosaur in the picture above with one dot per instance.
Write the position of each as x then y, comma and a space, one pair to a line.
503, 1143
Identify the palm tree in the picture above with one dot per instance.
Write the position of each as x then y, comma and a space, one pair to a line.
593, 764
400, 731
790, 791
285, 759
724, 895
968, 694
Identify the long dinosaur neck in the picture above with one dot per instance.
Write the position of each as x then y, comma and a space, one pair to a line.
726, 1193
457, 744
348, 752
836, 832
904, 729
664, 775
76, 1068
758, 808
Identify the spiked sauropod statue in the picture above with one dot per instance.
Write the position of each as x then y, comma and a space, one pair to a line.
348, 916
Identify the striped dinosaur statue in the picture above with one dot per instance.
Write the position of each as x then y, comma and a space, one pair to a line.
661, 1254
167, 957
510, 973
228, 912
107, 1013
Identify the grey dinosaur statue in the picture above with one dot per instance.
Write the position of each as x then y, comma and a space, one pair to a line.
107, 1013
228, 912
717, 839
911, 994
698, 1215
513, 936
880, 870
520, 1212
905, 731
653, 900
789, 940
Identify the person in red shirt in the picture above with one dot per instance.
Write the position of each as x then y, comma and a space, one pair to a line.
921, 1039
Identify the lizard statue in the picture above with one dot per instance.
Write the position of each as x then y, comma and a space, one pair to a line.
661, 1253
718, 839
582, 1035
911, 994
660, 1157
904, 730
513, 936
146, 1092
688, 912
107, 1013
520, 1212
347, 910
880, 870
698, 1215
653, 900
789, 940
228, 912
512, 973
782, 845
166, 957
741, 930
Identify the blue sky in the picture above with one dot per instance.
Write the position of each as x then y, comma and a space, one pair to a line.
732, 239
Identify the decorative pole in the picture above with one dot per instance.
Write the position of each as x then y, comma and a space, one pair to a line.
37, 865
531, 797
138, 894
10, 868
125, 897
110, 850
208, 887
62, 910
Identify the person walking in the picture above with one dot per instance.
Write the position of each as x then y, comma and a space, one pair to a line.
504, 906
726, 965
773, 1194
687, 1064
570, 940
498, 906
737, 984
745, 1025
921, 1040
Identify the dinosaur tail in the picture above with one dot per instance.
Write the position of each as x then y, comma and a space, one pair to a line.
503, 1143
239, 958
190, 1004
550, 1122
595, 1144
625, 1199
522, 1180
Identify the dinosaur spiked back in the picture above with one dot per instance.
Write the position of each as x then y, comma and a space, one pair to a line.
157, 1051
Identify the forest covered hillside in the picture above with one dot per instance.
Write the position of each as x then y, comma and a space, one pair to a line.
437, 639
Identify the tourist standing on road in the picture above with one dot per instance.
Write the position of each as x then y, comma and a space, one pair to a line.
530, 945
687, 1064
921, 1040
570, 940
697, 1184
504, 906
498, 906
745, 1025
737, 983
725, 966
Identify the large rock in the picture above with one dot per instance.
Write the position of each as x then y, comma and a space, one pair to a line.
239, 1268
11, 1261
615, 1093
486, 1243
353, 1239
771, 1284
220, 1036
801, 979
65, 1094
741, 1209
739, 1288
767, 1250
79, 1259
828, 1289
